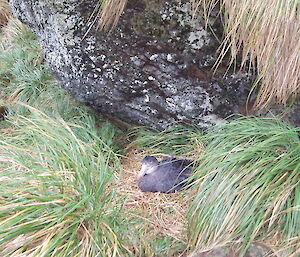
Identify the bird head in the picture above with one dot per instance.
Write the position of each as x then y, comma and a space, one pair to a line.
149, 165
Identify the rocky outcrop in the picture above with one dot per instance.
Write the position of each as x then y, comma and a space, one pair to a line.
154, 69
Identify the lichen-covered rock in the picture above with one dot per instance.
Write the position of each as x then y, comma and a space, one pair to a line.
154, 69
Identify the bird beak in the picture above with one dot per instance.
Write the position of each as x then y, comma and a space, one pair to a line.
142, 172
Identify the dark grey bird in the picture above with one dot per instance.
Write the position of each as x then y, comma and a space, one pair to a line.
167, 176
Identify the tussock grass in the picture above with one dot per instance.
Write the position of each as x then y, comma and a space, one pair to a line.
23, 76
54, 198
57, 159
247, 187
267, 33
177, 140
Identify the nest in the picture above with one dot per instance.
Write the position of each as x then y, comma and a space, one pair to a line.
163, 214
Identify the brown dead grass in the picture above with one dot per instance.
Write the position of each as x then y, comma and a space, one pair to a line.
110, 12
162, 213
10, 32
5, 12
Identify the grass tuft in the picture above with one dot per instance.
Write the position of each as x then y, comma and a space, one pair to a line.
58, 159
23, 75
247, 187
54, 198
177, 140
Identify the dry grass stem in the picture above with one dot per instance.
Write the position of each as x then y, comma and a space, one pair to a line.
110, 13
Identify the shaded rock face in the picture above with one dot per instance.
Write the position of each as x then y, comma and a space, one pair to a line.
153, 69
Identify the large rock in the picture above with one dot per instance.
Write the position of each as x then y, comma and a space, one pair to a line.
154, 69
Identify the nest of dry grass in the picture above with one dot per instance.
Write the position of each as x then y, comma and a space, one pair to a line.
163, 214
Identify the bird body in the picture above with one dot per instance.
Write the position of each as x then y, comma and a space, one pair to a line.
168, 175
